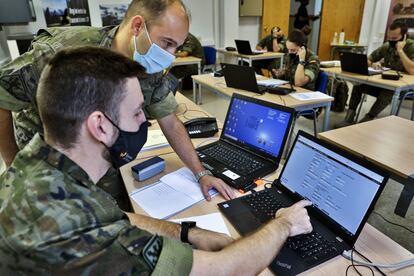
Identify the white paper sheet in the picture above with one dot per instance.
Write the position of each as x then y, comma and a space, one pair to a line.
271, 82
156, 139
213, 222
174, 192
310, 96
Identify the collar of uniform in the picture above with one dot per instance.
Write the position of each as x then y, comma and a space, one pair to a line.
109, 37
58, 160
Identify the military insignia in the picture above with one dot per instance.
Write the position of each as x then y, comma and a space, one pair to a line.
152, 251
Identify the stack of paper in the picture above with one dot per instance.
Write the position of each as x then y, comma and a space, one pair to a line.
271, 82
309, 96
156, 139
173, 193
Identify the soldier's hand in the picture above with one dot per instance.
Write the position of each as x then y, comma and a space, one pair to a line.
401, 44
302, 53
297, 216
207, 182
376, 65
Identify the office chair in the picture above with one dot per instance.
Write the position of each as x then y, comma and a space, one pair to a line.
321, 84
407, 95
210, 54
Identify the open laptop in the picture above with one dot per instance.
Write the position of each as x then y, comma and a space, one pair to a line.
342, 187
244, 77
357, 63
251, 143
243, 47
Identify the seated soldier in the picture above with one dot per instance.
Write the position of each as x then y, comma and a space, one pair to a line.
301, 65
274, 42
54, 219
398, 54
190, 47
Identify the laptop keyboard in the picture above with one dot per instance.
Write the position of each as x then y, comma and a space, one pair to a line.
311, 247
238, 160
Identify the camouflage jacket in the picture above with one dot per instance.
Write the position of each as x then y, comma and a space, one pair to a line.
193, 47
268, 43
19, 78
311, 69
391, 58
55, 220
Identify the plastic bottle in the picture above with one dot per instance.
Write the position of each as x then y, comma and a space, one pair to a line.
342, 37
335, 38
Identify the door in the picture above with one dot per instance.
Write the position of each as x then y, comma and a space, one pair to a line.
275, 13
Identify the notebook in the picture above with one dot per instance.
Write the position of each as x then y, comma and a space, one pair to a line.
251, 143
342, 188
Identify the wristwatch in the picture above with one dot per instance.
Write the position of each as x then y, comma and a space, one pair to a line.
185, 227
201, 174
302, 62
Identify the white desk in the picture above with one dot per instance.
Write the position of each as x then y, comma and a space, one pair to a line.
251, 58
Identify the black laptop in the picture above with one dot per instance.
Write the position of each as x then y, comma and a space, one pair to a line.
251, 143
244, 77
243, 47
356, 63
342, 187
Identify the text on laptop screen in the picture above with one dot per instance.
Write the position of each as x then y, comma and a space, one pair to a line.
261, 127
337, 186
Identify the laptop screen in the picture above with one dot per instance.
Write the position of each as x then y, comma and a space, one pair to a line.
340, 188
260, 127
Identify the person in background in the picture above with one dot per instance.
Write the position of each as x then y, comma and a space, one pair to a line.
398, 54
149, 34
274, 42
190, 47
55, 220
303, 19
301, 64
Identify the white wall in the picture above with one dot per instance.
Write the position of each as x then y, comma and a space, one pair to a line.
374, 23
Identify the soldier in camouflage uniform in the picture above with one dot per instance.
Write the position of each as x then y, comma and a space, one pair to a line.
275, 42
397, 54
143, 26
301, 64
191, 47
54, 220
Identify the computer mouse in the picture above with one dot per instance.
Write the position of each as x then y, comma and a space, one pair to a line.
230, 49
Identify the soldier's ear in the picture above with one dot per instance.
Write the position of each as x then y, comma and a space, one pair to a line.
136, 24
99, 127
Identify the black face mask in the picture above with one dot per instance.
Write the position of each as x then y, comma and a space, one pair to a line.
393, 43
294, 58
127, 145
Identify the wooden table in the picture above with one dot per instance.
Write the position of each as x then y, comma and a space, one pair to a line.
403, 84
336, 46
387, 142
251, 58
218, 86
372, 243
188, 61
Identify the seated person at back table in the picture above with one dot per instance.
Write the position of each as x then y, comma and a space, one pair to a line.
398, 54
55, 220
301, 66
274, 42
191, 47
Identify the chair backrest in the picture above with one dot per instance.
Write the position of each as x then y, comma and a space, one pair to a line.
210, 54
322, 81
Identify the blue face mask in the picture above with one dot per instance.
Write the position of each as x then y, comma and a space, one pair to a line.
156, 59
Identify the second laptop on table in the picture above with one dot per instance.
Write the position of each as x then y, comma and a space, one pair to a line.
251, 143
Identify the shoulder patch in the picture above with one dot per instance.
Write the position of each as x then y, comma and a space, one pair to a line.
152, 251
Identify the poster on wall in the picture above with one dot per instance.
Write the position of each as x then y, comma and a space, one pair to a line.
402, 10
66, 12
112, 14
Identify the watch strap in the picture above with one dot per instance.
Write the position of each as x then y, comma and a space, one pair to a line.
185, 227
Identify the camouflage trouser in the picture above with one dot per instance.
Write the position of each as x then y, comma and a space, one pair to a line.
267, 64
384, 98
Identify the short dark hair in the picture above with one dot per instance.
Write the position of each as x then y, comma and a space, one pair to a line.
399, 24
298, 37
151, 10
77, 82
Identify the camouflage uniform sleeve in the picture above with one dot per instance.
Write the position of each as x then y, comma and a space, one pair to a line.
188, 45
312, 68
262, 43
19, 78
282, 46
377, 54
159, 100
409, 49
